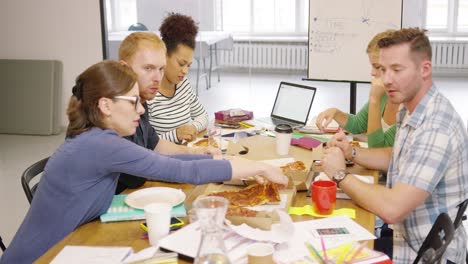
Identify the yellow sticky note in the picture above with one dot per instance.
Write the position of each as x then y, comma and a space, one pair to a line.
309, 210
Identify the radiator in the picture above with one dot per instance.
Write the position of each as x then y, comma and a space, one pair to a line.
258, 55
30, 96
448, 57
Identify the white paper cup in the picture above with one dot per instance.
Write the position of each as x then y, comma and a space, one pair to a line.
283, 139
260, 253
158, 218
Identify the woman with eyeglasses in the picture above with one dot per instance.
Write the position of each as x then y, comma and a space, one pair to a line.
80, 178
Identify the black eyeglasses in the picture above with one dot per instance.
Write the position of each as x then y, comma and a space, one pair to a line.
134, 99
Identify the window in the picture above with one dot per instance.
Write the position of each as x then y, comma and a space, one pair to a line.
264, 17
447, 17
120, 14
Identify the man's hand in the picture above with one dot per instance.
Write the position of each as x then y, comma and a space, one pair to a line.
325, 118
332, 161
186, 132
339, 140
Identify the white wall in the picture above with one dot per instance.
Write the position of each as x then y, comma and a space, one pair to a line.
65, 30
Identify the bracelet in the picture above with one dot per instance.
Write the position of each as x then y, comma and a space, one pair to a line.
353, 155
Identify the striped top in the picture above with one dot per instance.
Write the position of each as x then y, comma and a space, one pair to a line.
166, 114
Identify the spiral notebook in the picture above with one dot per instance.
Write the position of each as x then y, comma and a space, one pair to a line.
120, 211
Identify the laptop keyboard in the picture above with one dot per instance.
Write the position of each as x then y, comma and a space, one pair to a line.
277, 121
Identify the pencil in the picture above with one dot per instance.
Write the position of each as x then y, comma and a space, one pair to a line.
344, 253
314, 253
324, 249
358, 251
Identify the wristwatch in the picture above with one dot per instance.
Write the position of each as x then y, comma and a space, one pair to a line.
353, 155
339, 176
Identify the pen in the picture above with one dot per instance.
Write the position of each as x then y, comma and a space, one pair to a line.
245, 125
313, 252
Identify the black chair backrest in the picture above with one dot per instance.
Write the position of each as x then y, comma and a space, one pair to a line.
137, 27
461, 211
437, 240
2, 246
31, 172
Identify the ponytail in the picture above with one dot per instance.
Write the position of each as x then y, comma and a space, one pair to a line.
78, 122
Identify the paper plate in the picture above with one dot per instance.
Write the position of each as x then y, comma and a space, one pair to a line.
140, 198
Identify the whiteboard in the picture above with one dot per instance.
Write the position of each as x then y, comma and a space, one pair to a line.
339, 31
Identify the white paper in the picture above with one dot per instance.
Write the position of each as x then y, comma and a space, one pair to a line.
235, 244
364, 178
295, 249
91, 255
311, 124
279, 232
278, 162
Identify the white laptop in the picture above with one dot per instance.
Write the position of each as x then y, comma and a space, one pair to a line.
292, 106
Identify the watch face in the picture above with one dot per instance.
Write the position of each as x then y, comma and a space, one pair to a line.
339, 175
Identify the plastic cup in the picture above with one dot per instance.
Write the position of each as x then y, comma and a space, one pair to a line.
260, 253
324, 197
283, 139
158, 219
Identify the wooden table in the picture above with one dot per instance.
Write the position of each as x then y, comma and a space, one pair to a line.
129, 233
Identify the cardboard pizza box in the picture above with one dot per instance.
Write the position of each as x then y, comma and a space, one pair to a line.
264, 219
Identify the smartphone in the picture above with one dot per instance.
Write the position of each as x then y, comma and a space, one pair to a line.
333, 231
176, 223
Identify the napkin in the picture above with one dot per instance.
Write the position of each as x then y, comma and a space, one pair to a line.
306, 142
309, 210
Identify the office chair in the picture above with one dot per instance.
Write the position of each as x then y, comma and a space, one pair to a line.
461, 217
30, 173
2, 246
137, 27
436, 242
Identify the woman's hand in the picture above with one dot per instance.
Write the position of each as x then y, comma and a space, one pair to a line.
186, 132
245, 169
325, 118
377, 89
205, 150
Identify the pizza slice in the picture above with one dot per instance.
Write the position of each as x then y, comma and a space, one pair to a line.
255, 194
240, 211
204, 143
294, 167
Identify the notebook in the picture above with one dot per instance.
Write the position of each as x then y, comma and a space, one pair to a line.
120, 211
292, 106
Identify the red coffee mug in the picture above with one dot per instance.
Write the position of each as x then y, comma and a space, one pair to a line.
324, 196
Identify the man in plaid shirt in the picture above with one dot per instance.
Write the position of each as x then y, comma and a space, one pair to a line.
428, 165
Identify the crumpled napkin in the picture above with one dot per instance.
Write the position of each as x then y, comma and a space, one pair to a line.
309, 210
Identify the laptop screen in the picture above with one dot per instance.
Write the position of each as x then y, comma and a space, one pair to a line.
293, 102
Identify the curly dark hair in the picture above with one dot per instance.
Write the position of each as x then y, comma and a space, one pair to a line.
178, 29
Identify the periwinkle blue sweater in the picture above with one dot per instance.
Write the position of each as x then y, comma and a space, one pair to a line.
79, 182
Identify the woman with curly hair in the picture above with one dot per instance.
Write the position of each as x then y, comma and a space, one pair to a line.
176, 113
